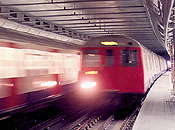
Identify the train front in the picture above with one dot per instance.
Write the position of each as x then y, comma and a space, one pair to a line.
111, 66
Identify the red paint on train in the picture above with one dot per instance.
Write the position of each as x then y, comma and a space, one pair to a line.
116, 77
122, 67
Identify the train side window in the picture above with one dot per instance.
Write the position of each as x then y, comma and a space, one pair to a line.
109, 59
91, 58
129, 58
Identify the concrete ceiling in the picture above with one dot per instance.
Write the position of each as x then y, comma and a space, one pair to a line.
76, 21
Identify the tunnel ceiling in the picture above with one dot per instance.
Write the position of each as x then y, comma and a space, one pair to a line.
76, 21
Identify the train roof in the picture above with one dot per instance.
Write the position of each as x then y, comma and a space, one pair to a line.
112, 41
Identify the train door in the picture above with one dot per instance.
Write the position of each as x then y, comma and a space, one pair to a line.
109, 58
131, 70
109, 74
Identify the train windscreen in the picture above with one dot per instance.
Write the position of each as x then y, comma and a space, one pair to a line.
91, 58
129, 58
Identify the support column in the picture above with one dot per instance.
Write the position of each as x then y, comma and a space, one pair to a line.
172, 54
172, 67
172, 63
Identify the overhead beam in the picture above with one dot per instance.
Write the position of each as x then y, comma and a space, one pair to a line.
142, 21
125, 32
65, 15
60, 2
119, 32
134, 31
147, 37
83, 19
117, 29
70, 9
103, 27
138, 32
106, 25
132, 22
143, 38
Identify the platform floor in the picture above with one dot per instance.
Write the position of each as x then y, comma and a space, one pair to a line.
158, 109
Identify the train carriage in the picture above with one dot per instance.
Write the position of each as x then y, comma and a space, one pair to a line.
30, 73
118, 64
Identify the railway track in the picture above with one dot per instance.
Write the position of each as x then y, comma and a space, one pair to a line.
60, 121
112, 119
77, 119
103, 116
36, 115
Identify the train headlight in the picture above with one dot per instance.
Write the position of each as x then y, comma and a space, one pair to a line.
88, 85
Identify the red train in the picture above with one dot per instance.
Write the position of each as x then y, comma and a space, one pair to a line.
30, 73
110, 64
118, 64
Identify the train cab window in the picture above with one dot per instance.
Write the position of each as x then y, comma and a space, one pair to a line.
129, 58
91, 58
109, 59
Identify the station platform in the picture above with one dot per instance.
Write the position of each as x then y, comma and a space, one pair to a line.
158, 109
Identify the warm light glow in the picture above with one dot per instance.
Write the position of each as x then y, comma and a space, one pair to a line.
169, 64
7, 84
91, 55
109, 43
91, 72
48, 84
88, 85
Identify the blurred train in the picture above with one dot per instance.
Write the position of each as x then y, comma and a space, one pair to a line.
118, 65
30, 72
108, 65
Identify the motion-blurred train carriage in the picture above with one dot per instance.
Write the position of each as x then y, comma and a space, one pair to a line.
118, 64
30, 73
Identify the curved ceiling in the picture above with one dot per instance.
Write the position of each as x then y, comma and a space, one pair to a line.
76, 21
